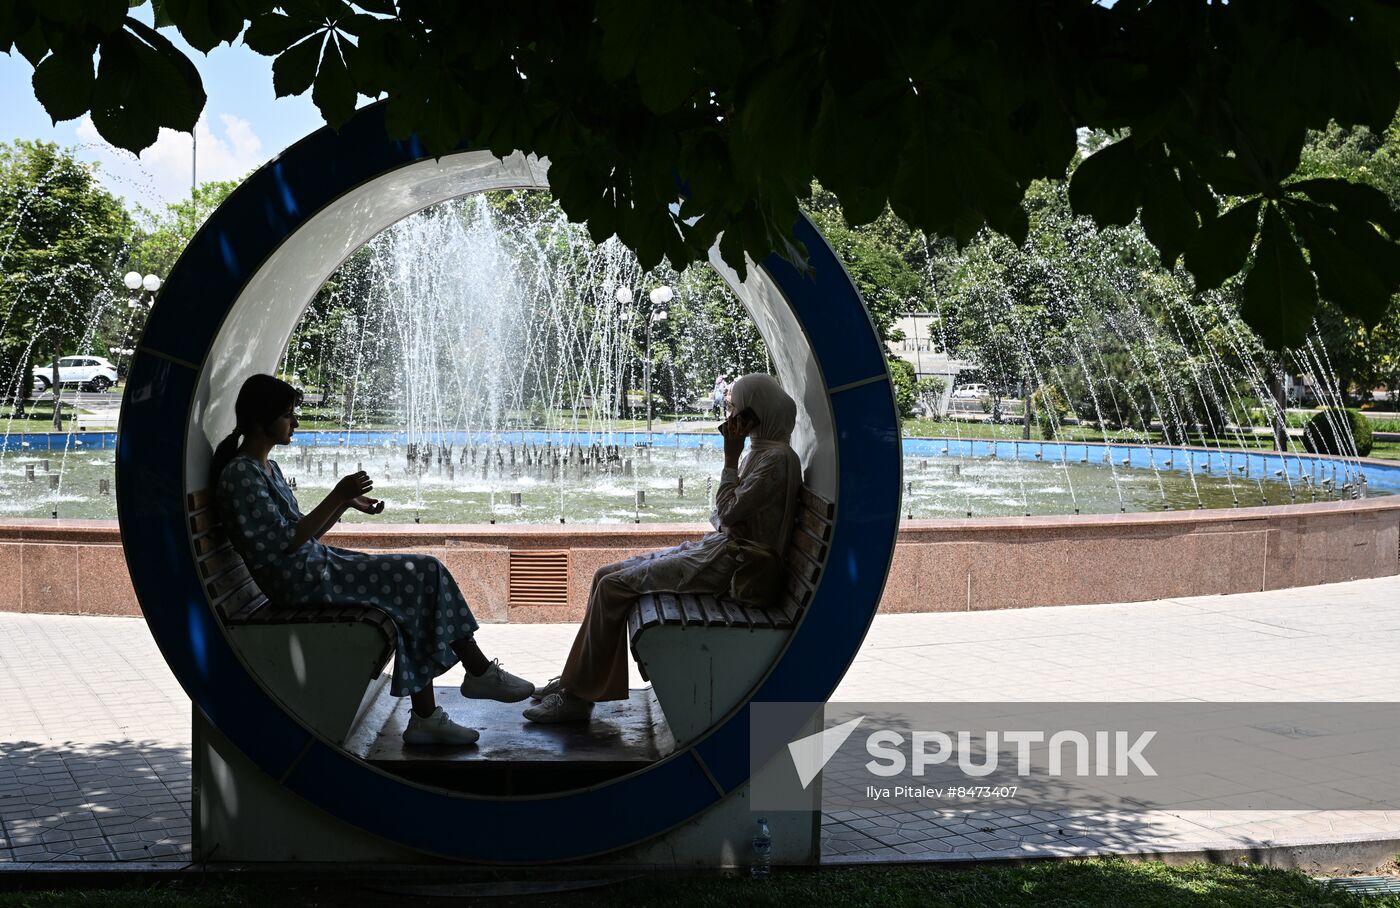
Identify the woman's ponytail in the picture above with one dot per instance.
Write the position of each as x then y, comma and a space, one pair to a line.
261, 400
223, 456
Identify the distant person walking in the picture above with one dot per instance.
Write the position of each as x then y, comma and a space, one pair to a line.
721, 388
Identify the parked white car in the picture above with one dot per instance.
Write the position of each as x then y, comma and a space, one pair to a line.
93, 373
970, 392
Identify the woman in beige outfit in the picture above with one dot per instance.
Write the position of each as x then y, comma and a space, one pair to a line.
754, 504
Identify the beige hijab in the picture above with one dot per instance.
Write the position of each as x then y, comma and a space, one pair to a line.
777, 416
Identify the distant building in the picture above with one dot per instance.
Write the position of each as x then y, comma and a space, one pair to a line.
922, 348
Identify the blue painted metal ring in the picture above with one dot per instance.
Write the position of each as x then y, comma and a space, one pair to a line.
151, 490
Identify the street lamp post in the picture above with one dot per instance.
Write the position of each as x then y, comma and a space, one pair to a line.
659, 298
135, 283
624, 302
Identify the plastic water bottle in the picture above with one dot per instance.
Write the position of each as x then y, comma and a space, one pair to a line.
762, 851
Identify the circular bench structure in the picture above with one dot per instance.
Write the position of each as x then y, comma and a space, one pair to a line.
227, 311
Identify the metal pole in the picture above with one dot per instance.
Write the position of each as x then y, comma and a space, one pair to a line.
647, 381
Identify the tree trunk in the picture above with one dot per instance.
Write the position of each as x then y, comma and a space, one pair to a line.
57, 409
1279, 417
26, 388
1025, 413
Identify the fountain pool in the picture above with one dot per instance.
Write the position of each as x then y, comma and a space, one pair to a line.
596, 478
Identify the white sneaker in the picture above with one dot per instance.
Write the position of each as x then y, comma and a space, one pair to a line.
496, 684
560, 706
437, 729
553, 686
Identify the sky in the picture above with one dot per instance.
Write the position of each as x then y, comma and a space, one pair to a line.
243, 126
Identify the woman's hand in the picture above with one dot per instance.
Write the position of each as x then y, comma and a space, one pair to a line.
734, 431
367, 505
354, 486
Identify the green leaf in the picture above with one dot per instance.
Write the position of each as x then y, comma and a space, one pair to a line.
176, 91
664, 74
847, 162
205, 24
1358, 284
1356, 200
334, 94
63, 84
624, 34
143, 83
32, 42
15, 20
1167, 216
1226, 175
118, 111
295, 68
768, 135
1279, 295
272, 33
160, 14
1107, 185
1221, 246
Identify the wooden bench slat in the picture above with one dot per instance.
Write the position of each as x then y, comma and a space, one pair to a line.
234, 602
211, 541
246, 611
692, 611
798, 598
218, 561
801, 568
670, 609
714, 614
201, 498
228, 580
647, 607
816, 503
758, 618
813, 524
810, 565
808, 545
735, 612
203, 521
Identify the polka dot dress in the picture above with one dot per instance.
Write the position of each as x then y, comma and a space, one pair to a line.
416, 591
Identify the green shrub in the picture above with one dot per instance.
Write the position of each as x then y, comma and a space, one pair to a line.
1320, 436
902, 375
1049, 409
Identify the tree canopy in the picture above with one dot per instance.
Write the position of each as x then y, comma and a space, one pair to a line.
63, 237
946, 112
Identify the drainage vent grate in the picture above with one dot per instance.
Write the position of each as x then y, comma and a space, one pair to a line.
1364, 885
539, 577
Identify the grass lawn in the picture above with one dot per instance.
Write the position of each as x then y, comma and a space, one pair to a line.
1065, 883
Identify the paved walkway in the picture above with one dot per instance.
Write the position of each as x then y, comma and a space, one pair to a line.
95, 748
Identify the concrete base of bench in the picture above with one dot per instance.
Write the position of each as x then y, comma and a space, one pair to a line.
319, 671
702, 672
242, 815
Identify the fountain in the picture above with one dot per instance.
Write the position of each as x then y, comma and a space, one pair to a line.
482, 365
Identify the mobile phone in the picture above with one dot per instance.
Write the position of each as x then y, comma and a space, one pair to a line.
746, 415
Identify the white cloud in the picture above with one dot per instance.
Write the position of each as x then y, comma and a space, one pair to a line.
162, 173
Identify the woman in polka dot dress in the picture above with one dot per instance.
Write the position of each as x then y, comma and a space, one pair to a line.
293, 567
